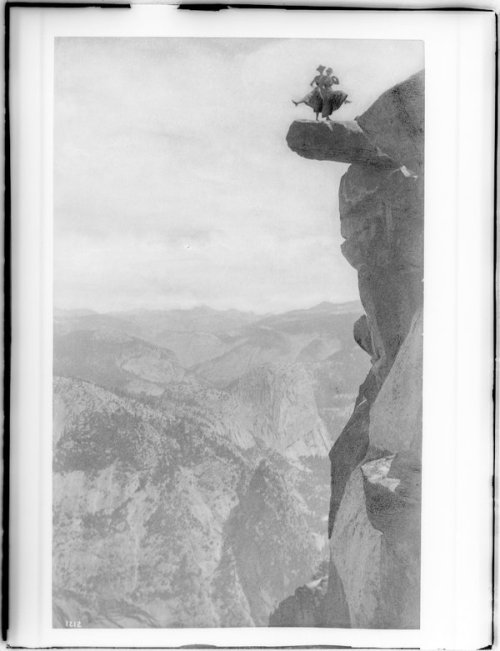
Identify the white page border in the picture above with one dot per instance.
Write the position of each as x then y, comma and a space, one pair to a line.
458, 284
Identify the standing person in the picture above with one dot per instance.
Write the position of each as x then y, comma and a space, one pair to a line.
332, 99
313, 98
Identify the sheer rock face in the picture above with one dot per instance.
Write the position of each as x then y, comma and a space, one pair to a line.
374, 520
396, 425
381, 216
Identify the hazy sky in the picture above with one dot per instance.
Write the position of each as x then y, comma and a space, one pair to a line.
174, 185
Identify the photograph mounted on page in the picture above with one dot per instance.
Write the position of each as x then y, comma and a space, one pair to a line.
238, 301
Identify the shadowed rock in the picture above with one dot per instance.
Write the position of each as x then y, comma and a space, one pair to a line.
304, 607
395, 424
392, 502
395, 122
349, 450
319, 603
343, 142
362, 335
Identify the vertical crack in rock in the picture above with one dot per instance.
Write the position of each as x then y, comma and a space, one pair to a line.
374, 519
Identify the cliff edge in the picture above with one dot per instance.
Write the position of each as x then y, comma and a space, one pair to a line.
374, 519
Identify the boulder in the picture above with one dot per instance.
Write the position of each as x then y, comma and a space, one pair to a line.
395, 122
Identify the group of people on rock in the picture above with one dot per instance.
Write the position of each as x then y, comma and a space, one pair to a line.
323, 99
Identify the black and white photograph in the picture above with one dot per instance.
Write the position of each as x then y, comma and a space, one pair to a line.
237, 331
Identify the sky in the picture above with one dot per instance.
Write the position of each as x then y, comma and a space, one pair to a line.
173, 183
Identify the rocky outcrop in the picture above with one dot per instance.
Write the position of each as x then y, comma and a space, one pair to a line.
305, 607
344, 142
395, 122
374, 519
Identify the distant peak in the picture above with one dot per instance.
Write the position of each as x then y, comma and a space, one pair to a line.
327, 306
321, 307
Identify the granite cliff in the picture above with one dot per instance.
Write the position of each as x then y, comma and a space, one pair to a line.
191, 471
373, 580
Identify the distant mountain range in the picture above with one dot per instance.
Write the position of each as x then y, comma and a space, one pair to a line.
191, 479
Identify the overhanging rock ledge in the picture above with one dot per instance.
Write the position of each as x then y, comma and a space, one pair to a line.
374, 519
343, 142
